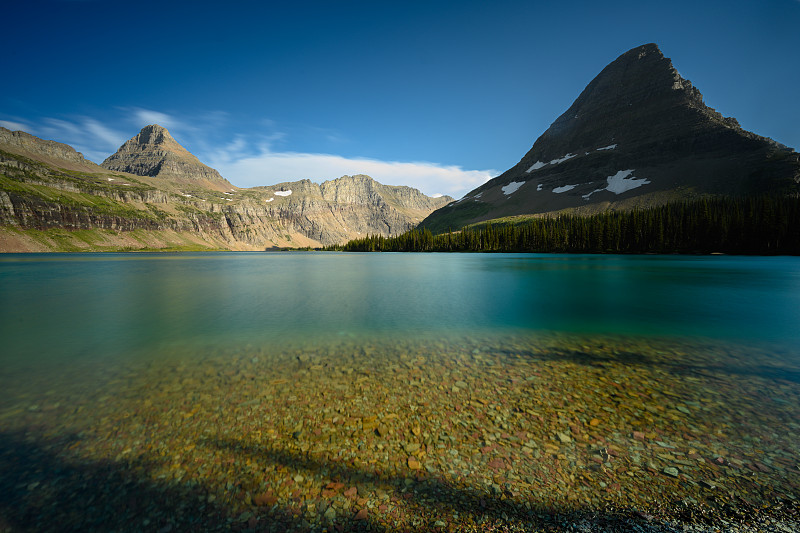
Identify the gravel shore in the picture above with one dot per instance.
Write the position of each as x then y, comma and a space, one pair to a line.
512, 433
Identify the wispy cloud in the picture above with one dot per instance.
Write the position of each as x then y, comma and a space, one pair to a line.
108, 136
15, 126
87, 135
139, 117
269, 167
148, 116
253, 159
95, 139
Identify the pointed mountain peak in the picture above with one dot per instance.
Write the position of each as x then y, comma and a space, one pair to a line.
638, 134
640, 52
640, 76
154, 152
629, 100
157, 137
154, 134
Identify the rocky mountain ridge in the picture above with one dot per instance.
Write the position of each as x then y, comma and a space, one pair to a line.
153, 152
638, 135
51, 198
27, 144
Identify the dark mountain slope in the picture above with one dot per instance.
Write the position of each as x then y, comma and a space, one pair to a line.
639, 134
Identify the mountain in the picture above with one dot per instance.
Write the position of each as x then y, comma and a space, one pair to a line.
154, 194
153, 152
638, 135
51, 152
349, 207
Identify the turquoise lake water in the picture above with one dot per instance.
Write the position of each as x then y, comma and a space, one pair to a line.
54, 307
188, 392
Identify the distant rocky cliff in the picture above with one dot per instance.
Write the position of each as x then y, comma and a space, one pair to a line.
346, 208
153, 194
27, 144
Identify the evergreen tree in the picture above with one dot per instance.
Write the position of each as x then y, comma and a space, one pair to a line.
763, 225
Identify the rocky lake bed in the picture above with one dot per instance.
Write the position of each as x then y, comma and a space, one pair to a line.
519, 432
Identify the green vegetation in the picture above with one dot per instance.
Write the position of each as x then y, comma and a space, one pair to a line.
159, 214
91, 203
29, 171
456, 216
763, 225
51, 204
65, 240
106, 240
196, 212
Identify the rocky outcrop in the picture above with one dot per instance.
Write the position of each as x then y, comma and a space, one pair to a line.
334, 211
38, 193
153, 152
638, 134
29, 145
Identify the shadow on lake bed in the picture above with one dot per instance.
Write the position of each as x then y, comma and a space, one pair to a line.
44, 489
487, 435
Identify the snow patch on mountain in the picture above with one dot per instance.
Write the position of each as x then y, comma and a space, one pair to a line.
539, 164
564, 188
620, 183
535, 166
512, 187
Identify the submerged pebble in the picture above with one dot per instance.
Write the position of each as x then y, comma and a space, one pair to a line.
519, 435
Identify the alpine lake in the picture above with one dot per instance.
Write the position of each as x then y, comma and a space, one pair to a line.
309, 391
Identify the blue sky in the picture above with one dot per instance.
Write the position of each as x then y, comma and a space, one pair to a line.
436, 95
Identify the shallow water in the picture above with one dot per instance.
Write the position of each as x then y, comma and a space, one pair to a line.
483, 386
63, 306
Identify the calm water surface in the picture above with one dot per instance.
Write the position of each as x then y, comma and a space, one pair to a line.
57, 307
292, 391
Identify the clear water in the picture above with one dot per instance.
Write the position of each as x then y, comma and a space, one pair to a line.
433, 382
57, 307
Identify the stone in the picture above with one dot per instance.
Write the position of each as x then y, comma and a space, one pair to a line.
671, 471
264, 499
411, 447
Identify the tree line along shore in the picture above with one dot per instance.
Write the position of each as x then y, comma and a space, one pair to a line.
765, 225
